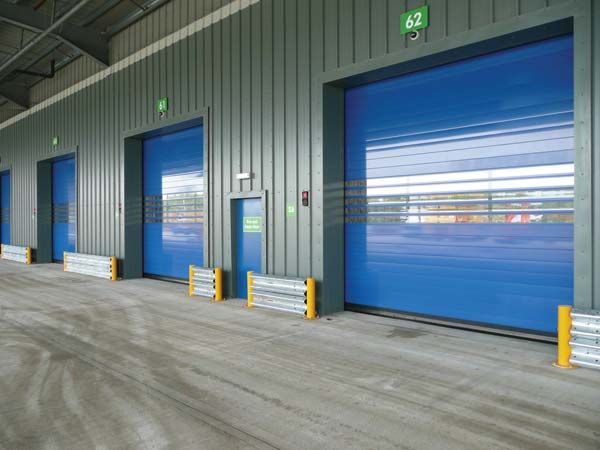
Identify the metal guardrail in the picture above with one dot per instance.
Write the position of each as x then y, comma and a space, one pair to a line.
96, 266
294, 295
585, 338
15, 253
206, 282
578, 338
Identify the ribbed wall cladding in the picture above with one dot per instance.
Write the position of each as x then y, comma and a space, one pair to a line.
255, 70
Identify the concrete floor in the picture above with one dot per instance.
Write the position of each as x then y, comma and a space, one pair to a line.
86, 363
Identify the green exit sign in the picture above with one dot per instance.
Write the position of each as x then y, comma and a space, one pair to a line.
415, 19
252, 224
55, 141
162, 105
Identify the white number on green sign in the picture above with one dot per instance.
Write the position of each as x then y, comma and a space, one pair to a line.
414, 20
418, 20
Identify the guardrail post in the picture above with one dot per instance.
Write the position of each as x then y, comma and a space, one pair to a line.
113, 268
564, 336
28, 255
218, 285
191, 284
311, 301
64, 261
250, 289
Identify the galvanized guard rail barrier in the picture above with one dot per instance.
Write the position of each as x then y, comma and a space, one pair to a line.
578, 338
206, 282
294, 295
14, 253
96, 266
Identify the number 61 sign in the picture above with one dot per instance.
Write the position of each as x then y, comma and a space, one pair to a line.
415, 19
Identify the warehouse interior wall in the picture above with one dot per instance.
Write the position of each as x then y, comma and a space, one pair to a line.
260, 66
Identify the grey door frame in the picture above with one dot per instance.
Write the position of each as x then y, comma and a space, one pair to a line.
328, 140
132, 226
43, 165
231, 281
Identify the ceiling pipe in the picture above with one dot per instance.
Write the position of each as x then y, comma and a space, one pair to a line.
41, 36
39, 4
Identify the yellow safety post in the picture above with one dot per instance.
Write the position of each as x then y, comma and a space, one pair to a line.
218, 285
250, 289
64, 261
28, 255
564, 336
113, 268
311, 299
191, 285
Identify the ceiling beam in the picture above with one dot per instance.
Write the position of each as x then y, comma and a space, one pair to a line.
19, 95
88, 42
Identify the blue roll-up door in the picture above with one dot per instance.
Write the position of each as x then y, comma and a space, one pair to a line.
459, 189
64, 208
5, 208
173, 203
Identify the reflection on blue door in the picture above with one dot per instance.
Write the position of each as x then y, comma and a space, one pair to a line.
173, 203
459, 189
5, 208
248, 241
64, 208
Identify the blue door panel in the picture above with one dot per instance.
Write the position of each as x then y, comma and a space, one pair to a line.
248, 244
459, 202
173, 203
64, 208
5, 208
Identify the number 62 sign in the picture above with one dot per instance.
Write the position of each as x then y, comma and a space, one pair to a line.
415, 19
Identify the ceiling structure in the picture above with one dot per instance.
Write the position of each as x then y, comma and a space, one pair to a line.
39, 37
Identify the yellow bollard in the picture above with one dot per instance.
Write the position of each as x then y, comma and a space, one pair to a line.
564, 336
28, 255
250, 289
64, 261
113, 268
311, 300
191, 284
218, 285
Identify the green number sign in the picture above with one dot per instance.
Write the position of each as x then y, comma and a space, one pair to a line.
252, 224
291, 210
162, 105
415, 19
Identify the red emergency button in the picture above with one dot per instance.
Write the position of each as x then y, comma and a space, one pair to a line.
305, 198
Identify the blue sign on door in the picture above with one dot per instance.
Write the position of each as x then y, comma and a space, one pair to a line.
248, 242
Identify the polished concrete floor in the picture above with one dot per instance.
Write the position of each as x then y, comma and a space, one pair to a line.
90, 364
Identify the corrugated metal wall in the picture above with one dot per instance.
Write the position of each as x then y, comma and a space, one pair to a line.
156, 25
80, 69
254, 69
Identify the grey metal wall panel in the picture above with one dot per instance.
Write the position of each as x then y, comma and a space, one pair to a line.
165, 20
595, 145
255, 71
78, 70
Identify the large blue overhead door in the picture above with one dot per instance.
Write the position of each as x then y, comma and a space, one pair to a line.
64, 208
459, 189
5, 208
173, 203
